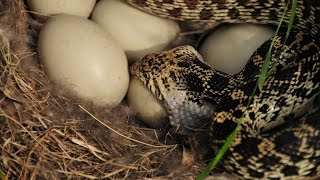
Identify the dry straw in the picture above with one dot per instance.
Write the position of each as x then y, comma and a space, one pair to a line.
48, 135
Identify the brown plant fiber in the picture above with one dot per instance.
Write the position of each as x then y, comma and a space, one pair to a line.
45, 134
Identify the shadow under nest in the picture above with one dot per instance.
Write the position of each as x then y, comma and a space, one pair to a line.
45, 134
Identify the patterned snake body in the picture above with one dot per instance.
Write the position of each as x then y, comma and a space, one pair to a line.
276, 139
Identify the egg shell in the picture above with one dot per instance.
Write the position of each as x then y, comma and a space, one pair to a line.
79, 55
229, 47
144, 104
53, 7
137, 32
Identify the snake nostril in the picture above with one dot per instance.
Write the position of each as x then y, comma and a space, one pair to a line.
134, 68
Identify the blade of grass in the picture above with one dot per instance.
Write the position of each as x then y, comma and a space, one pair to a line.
265, 66
292, 17
213, 163
2, 176
264, 69
262, 77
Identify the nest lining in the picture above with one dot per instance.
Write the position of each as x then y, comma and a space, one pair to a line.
49, 134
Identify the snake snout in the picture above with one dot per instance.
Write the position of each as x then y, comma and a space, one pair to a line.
144, 71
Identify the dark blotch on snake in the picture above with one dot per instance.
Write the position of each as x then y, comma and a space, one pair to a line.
290, 170
202, 65
237, 114
233, 13
175, 12
194, 82
218, 82
191, 4
220, 131
183, 64
206, 14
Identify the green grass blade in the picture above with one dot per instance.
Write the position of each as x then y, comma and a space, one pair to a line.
267, 58
292, 17
215, 161
264, 69
2, 175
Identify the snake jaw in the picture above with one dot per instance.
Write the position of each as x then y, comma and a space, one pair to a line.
188, 114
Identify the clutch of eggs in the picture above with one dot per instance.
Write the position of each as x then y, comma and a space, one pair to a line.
90, 57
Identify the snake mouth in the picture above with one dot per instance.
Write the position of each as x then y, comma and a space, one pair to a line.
141, 70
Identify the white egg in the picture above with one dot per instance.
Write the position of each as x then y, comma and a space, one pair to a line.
144, 104
229, 48
137, 32
53, 7
79, 55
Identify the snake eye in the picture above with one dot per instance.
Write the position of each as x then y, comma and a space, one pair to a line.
143, 65
147, 62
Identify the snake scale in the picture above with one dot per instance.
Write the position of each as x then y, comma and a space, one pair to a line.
278, 138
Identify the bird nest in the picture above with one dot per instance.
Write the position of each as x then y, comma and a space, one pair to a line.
49, 134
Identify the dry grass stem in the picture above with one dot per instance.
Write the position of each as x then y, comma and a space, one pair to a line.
49, 134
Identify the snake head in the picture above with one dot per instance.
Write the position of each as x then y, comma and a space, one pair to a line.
159, 71
176, 77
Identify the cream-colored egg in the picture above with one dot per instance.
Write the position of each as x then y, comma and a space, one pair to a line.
79, 55
53, 7
229, 48
137, 32
144, 104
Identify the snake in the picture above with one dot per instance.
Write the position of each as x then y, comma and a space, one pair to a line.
278, 133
